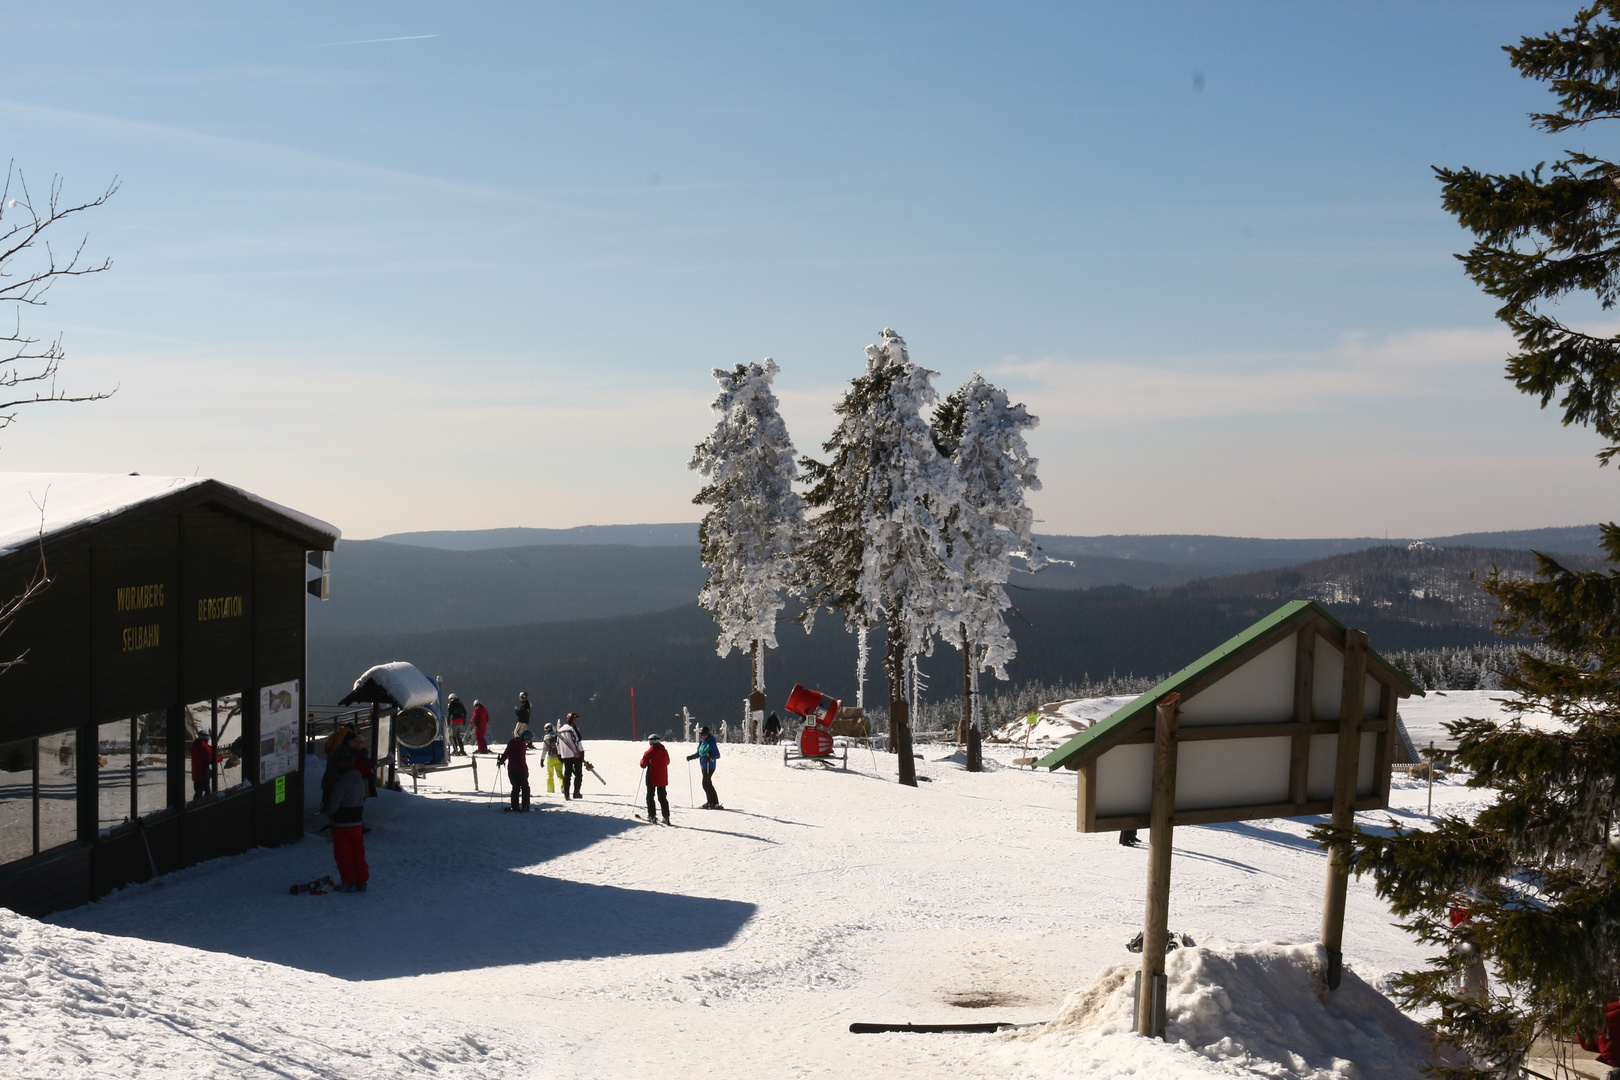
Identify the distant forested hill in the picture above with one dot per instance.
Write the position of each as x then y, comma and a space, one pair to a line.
1430, 586
379, 586
668, 656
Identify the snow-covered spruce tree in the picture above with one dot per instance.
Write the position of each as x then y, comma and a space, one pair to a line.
756, 520
983, 435
1538, 869
878, 550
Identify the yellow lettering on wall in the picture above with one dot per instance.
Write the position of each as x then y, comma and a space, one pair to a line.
137, 638
137, 597
219, 607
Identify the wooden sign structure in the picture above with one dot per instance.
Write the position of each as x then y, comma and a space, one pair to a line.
1293, 716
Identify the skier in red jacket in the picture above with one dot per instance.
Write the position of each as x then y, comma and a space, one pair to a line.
656, 762
203, 757
480, 719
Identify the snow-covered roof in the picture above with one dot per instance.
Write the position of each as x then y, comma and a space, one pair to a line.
31, 503
400, 684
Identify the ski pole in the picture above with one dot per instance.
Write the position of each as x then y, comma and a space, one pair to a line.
637, 795
690, 798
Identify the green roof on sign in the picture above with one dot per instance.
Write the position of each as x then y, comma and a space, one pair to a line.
1106, 731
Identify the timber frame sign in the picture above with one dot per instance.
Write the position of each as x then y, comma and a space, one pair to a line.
1294, 716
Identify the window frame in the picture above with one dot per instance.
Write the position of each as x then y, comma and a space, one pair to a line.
34, 846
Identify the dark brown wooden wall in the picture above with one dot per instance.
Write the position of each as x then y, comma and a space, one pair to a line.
82, 669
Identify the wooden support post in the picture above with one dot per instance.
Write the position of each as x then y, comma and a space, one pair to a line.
1299, 765
1352, 697
1150, 1017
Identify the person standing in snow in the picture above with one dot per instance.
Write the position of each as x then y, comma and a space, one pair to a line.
553, 761
708, 756
457, 712
523, 709
345, 806
572, 751
480, 722
203, 757
656, 762
516, 759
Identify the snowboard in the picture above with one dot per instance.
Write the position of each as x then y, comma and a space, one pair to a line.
313, 888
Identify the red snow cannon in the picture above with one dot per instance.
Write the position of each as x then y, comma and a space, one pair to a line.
818, 711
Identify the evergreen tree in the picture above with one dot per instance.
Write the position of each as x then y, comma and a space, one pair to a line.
878, 549
983, 434
1537, 870
756, 521
1549, 232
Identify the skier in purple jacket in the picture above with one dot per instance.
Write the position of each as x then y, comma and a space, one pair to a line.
516, 759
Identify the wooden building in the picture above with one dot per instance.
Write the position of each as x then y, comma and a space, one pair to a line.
171, 629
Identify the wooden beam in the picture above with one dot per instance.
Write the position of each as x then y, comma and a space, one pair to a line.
1157, 923
1086, 797
1220, 814
1352, 698
1277, 729
1299, 754
1384, 752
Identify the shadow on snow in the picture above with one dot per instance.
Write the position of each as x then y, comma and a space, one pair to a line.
456, 885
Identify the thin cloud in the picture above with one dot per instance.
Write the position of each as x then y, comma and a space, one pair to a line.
377, 40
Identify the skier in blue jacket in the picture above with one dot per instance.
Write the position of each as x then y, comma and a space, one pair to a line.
708, 756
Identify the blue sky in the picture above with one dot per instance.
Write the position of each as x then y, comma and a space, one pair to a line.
476, 276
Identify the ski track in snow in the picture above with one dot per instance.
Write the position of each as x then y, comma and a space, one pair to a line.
578, 942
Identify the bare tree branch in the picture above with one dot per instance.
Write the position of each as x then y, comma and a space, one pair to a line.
29, 266
37, 583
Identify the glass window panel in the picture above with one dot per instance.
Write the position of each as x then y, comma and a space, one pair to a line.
16, 800
114, 795
151, 762
228, 740
58, 790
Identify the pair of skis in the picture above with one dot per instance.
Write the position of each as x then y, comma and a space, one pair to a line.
318, 887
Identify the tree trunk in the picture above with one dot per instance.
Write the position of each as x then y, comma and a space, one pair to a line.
967, 688
899, 711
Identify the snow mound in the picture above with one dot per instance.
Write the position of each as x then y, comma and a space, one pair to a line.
1059, 721
1263, 1009
75, 1004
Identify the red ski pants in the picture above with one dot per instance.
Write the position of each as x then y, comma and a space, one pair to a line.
349, 848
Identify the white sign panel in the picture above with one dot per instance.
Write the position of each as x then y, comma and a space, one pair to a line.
278, 730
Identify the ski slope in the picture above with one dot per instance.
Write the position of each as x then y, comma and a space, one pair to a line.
579, 942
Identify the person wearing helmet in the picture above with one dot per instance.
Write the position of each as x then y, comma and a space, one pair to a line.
480, 722
522, 709
708, 756
456, 710
656, 762
572, 751
553, 761
516, 759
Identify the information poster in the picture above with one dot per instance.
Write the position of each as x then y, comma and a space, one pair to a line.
278, 730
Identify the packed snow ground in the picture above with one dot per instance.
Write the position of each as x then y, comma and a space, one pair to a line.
579, 942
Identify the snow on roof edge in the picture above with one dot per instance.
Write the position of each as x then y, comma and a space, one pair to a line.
36, 504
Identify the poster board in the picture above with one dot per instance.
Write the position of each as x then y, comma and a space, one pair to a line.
280, 712
1258, 736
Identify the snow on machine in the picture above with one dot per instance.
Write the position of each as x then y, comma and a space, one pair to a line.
817, 712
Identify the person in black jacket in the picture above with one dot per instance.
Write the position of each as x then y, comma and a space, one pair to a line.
522, 709
456, 710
